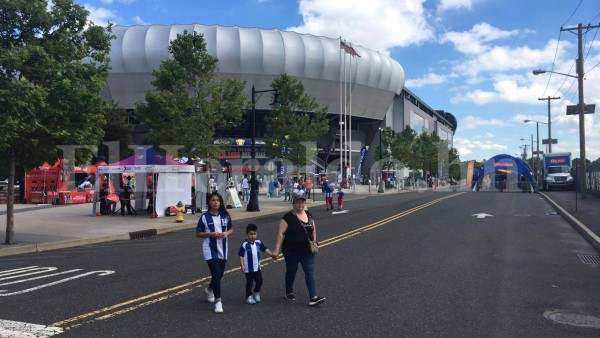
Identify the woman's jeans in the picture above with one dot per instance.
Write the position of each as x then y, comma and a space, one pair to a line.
309, 264
217, 269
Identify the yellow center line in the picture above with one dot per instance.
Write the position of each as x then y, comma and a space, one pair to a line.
175, 291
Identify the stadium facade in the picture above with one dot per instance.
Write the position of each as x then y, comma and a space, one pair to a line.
328, 71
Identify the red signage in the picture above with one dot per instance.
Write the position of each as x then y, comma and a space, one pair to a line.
558, 160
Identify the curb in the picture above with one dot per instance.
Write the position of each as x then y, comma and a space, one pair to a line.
589, 235
18, 250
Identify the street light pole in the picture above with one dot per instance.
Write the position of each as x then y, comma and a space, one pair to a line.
582, 160
381, 188
549, 98
537, 131
253, 202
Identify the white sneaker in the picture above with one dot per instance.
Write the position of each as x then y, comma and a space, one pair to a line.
250, 300
218, 307
257, 297
210, 296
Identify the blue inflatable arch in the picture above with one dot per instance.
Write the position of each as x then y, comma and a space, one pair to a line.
504, 163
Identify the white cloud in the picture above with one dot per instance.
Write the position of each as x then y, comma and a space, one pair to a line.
471, 42
101, 16
109, 2
138, 20
445, 5
505, 91
367, 23
468, 147
472, 122
428, 79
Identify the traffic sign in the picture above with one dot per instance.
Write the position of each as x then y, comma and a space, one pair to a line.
545, 141
574, 110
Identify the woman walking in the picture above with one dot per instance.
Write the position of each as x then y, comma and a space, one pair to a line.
295, 230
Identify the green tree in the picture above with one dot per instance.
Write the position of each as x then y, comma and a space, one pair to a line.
297, 119
402, 147
388, 138
189, 102
53, 63
117, 129
455, 168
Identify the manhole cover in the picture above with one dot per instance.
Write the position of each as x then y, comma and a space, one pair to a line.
574, 319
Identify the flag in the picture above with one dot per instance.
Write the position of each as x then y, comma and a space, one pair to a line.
348, 49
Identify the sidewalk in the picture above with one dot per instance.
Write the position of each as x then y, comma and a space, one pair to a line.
583, 215
46, 227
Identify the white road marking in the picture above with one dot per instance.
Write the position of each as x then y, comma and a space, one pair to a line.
19, 270
100, 273
9, 328
39, 270
482, 215
339, 212
39, 277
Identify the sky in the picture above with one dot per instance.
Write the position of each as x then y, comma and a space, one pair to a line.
472, 58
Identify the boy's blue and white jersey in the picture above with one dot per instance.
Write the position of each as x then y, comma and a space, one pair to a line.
213, 247
340, 195
251, 254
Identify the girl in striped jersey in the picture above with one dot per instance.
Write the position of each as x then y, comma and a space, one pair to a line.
250, 263
215, 226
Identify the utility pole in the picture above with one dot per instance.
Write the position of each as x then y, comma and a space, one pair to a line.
549, 120
582, 168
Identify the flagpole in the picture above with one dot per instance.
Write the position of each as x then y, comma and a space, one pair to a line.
342, 67
350, 126
345, 113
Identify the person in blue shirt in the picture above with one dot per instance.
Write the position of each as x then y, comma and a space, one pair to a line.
250, 263
215, 226
328, 190
340, 198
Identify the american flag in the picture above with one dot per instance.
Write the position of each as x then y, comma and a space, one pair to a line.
348, 49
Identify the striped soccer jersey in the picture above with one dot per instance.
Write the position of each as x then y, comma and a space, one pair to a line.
251, 254
213, 247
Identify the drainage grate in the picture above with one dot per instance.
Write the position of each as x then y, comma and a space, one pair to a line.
142, 234
589, 259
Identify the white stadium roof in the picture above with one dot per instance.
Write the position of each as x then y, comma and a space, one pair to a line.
257, 56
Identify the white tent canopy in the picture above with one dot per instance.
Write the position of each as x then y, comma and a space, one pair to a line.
171, 180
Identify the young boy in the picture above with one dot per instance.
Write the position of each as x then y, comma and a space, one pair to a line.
250, 263
340, 198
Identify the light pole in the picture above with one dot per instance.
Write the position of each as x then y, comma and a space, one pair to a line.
537, 131
253, 202
582, 164
524, 147
549, 98
381, 184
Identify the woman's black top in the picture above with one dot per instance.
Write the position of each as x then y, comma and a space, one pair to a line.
295, 237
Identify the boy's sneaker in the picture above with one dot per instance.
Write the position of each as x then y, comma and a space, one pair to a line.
218, 307
290, 296
210, 296
316, 301
257, 297
250, 300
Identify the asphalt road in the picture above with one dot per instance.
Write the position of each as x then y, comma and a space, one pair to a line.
405, 265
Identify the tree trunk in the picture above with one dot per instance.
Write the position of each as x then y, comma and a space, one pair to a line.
10, 219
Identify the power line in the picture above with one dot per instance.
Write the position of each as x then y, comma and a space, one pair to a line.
574, 11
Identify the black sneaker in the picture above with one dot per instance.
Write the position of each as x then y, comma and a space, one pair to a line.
316, 301
290, 296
